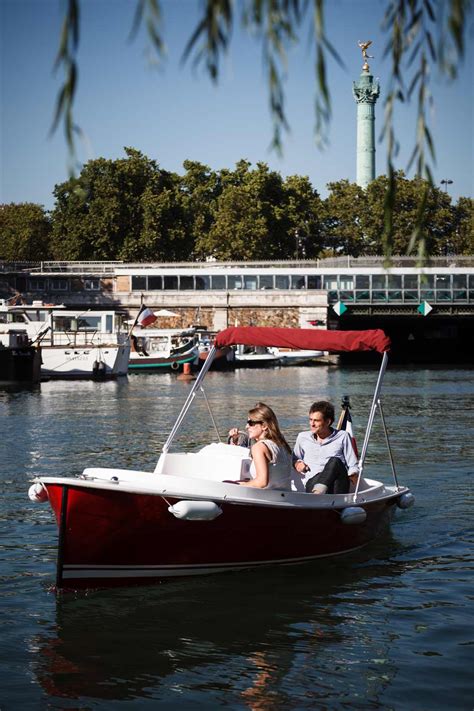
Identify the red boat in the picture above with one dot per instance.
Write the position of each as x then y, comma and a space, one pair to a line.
123, 527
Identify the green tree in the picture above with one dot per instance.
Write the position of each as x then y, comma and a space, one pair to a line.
164, 235
239, 231
199, 188
422, 35
101, 214
25, 230
462, 237
251, 219
437, 222
344, 211
304, 211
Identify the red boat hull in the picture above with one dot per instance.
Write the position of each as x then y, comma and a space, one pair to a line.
110, 538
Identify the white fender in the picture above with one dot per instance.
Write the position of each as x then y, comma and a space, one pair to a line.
37, 492
406, 500
353, 514
196, 510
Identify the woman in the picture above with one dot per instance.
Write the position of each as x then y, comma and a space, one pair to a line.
271, 466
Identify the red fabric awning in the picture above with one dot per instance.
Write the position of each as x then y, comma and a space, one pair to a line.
305, 338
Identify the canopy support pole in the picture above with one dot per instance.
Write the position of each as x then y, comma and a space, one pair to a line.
392, 463
211, 415
373, 408
197, 384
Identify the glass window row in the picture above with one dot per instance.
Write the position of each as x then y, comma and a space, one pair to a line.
357, 283
225, 282
61, 284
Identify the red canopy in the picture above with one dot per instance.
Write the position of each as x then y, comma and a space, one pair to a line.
304, 338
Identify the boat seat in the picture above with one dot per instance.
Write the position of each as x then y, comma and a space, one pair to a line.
216, 462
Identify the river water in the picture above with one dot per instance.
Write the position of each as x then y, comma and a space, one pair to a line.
389, 627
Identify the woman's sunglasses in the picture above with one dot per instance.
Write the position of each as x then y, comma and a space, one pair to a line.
251, 423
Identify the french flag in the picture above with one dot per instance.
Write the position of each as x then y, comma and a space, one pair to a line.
145, 317
345, 423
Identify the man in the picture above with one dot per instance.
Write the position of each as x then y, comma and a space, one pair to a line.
324, 456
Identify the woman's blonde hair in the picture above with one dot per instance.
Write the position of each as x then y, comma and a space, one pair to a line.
267, 416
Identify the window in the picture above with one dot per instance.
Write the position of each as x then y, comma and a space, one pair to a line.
314, 282
92, 284
459, 281
155, 283
346, 281
362, 281
234, 282
203, 283
91, 323
378, 281
266, 281
394, 281
250, 281
170, 282
346, 296
138, 283
443, 281
58, 285
395, 287
282, 281
218, 283
410, 281
426, 281
459, 284
297, 282
330, 281
73, 323
186, 283
37, 284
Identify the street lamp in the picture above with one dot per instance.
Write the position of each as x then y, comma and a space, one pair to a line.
446, 182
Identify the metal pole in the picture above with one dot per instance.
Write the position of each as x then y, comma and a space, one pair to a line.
378, 388
392, 463
211, 415
197, 383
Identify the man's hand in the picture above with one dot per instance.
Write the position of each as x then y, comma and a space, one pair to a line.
301, 467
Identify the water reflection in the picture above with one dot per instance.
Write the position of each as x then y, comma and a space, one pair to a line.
386, 630
251, 637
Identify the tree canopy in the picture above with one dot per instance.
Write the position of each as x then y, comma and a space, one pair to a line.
421, 34
25, 230
131, 209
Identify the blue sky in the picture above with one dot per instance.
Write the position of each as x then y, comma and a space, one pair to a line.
175, 113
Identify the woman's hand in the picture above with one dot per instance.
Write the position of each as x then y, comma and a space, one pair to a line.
233, 435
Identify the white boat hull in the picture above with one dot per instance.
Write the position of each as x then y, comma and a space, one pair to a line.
81, 361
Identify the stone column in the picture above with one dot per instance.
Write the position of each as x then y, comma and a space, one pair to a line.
366, 92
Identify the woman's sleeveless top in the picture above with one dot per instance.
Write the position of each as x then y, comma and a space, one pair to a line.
279, 468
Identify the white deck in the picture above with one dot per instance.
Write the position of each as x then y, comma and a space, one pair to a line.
201, 475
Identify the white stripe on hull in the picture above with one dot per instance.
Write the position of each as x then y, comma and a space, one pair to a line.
168, 571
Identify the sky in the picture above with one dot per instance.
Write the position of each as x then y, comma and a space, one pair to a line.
174, 113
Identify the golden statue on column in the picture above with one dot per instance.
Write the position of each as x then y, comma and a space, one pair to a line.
363, 46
